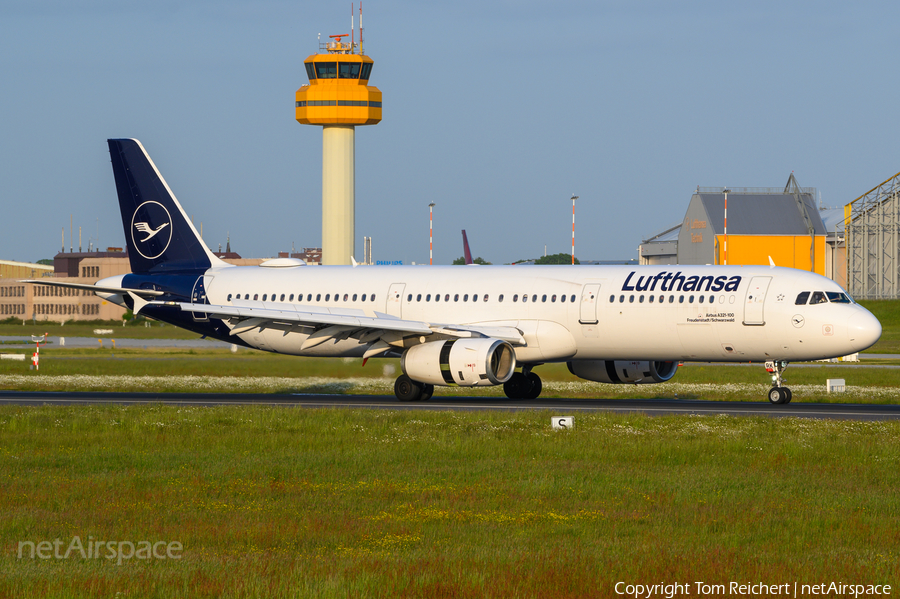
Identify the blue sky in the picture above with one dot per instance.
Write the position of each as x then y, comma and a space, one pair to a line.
496, 111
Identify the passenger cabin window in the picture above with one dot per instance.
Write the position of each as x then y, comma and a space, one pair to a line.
802, 298
500, 298
229, 297
818, 297
326, 70
349, 70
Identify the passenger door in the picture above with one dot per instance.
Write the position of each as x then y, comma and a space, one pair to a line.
395, 299
755, 302
589, 298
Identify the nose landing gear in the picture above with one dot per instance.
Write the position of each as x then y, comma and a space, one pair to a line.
778, 394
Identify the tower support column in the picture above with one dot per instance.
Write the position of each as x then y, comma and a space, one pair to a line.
338, 193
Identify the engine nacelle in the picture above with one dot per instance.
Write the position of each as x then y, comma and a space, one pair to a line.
623, 371
463, 362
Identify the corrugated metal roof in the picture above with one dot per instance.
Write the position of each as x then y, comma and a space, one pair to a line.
833, 219
670, 234
769, 214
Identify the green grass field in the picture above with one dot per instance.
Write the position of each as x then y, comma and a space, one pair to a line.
339, 503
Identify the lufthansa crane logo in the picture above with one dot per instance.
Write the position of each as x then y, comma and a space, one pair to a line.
151, 230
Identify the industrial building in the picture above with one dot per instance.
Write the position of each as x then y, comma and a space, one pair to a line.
872, 225
857, 246
26, 301
747, 226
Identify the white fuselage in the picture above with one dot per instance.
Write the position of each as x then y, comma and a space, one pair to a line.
668, 312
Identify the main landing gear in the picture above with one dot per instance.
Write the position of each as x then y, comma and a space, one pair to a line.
778, 394
523, 385
407, 389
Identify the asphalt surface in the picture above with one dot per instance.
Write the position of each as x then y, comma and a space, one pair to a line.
657, 407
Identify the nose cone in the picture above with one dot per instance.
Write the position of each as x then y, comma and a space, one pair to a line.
863, 329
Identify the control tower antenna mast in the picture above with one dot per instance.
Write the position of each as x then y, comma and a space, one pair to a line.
338, 97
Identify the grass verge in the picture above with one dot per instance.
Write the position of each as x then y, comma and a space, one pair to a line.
220, 371
335, 503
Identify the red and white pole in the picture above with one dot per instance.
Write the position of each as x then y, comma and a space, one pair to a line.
430, 234
574, 197
726, 226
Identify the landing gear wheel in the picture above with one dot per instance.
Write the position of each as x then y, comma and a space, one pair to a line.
427, 392
517, 386
778, 395
536, 386
407, 389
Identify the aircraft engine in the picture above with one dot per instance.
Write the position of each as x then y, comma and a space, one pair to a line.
463, 362
623, 371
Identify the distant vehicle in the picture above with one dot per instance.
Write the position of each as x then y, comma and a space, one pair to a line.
475, 326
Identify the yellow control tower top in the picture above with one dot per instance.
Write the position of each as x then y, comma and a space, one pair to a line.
337, 93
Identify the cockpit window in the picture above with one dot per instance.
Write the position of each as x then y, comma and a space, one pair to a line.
326, 70
836, 297
818, 297
802, 298
349, 70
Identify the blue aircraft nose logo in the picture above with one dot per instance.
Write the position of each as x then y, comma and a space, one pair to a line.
151, 230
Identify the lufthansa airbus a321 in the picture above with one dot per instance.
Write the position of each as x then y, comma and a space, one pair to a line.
477, 325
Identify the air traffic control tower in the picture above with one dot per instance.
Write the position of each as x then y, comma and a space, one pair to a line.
338, 98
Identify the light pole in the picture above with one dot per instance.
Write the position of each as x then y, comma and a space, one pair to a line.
726, 190
430, 232
574, 197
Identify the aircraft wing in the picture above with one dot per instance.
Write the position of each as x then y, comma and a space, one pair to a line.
339, 323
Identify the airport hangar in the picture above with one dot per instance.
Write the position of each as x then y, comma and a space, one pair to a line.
857, 246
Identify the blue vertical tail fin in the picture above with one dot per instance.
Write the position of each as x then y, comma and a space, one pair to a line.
159, 235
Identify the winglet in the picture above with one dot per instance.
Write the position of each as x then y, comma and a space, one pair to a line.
354, 262
771, 262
